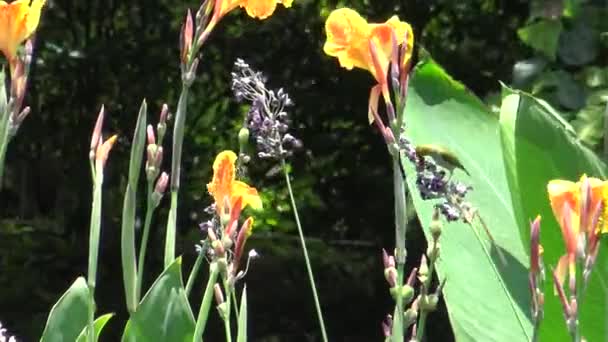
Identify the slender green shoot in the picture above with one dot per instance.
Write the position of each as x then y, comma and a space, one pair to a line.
203, 313
306, 258
194, 273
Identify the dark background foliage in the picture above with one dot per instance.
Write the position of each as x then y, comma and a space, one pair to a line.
119, 52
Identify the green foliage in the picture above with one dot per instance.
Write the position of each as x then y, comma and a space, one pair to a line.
100, 323
480, 291
68, 317
164, 313
543, 36
575, 82
242, 319
539, 146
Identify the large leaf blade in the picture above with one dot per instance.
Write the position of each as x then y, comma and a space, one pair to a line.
164, 313
486, 300
69, 315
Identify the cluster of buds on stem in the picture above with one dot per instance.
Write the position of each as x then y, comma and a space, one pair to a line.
154, 158
536, 276
99, 151
225, 239
194, 33
267, 121
19, 71
580, 210
426, 301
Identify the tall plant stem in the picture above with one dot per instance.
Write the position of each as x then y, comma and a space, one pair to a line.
143, 246
203, 312
4, 140
424, 313
400, 238
176, 159
227, 329
194, 273
95, 227
306, 258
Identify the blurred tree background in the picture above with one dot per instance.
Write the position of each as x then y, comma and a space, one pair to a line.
119, 52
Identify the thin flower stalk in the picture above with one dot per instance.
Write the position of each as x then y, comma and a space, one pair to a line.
100, 151
536, 278
267, 123
195, 269
195, 33
225, 241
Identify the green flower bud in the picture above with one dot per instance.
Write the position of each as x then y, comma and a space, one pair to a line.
243, 137
435, 228
409, 317
407, 293
429, 302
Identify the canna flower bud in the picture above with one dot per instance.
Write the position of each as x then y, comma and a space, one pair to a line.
243, 137
161, 128
186, 38
97, 130
150, 134
429, 302
407, 293
423, 270
217, 292
160, 188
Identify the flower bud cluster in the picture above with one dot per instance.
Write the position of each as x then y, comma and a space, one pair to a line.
267, 121
434, 182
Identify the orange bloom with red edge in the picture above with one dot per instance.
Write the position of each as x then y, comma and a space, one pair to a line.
226, 190
575, 206
18, 21
349, 36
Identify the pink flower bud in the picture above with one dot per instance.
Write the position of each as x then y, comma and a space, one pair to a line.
151, 137
97, 130
161, 183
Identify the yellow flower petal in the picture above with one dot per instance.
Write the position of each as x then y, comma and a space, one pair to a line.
18, 21
249, 194
225, 189
349, 36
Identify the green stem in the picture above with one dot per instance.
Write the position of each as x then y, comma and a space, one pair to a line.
194, 273
94, 250
400, 238
306, 258
235, 304
144, 241
425, 289
203, 312
227, 329
4, 140
178, 140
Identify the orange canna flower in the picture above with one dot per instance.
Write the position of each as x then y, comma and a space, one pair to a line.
260, 9
226, 190
578, 208
18, 21
351, 39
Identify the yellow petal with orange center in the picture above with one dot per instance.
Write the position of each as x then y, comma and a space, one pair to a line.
248, 193
18, 20
225, 189
560, 192
349, 36
223, 177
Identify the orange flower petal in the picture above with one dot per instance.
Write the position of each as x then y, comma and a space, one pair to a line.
18, 20
223, 176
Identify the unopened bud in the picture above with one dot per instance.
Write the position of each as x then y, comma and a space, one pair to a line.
429, 302
387, 326
409, 317
388, 260
423, 270
243, 137
160, 188
219, 295
435, 228
390, 274
407, 293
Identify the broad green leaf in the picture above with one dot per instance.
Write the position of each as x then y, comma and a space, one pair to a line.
242, 333
542, 36
486, 299
164, 313
69, 315
540, 146
100, 322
